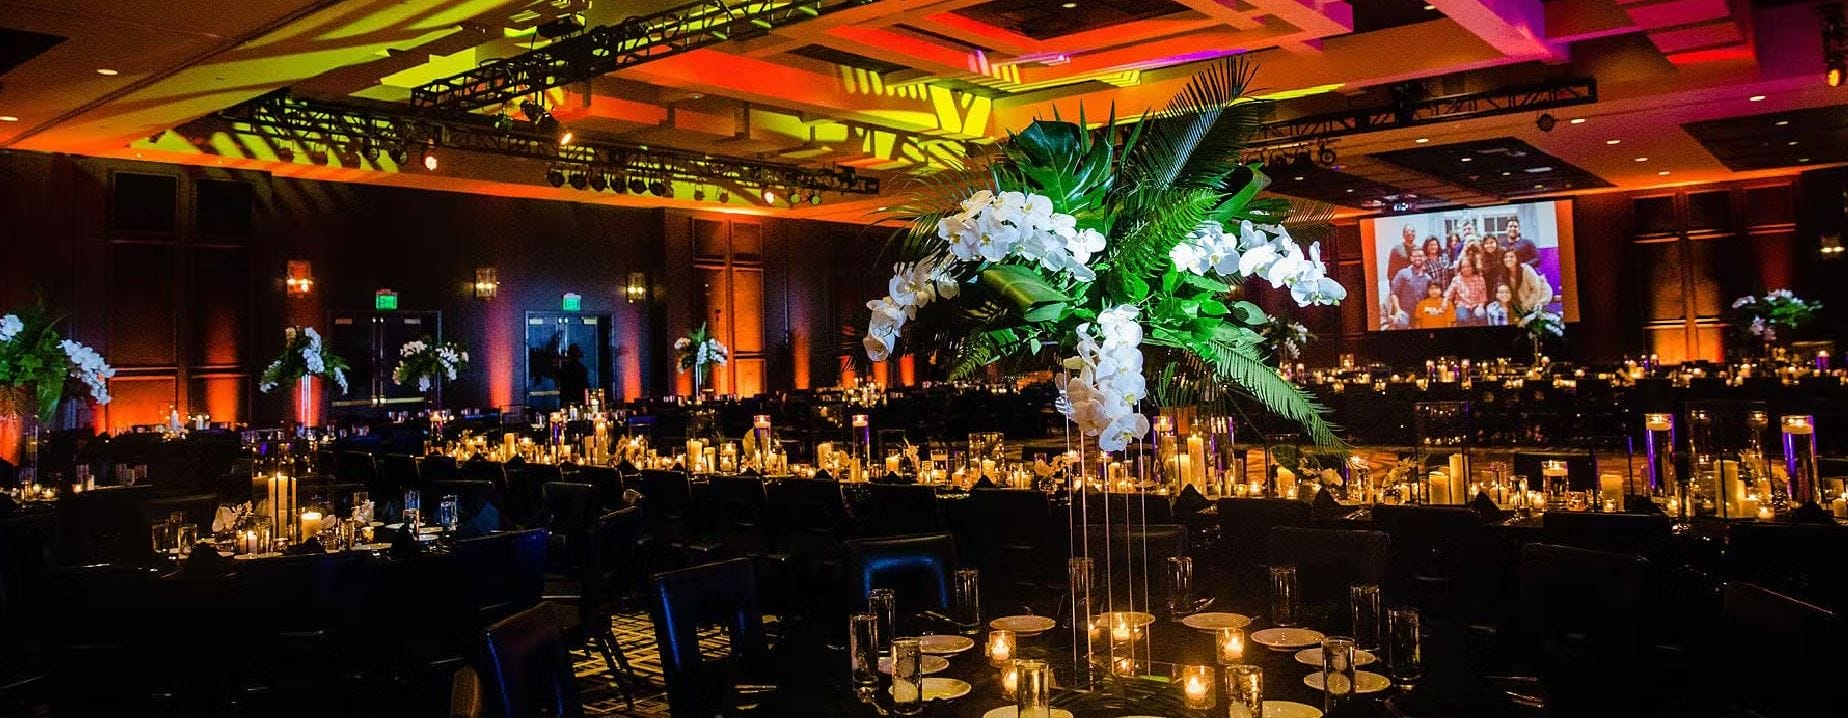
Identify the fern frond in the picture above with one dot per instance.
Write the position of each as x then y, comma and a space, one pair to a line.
1250, 374
1144, 243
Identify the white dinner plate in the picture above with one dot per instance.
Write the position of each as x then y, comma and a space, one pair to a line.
1133, 619
943, 689
1278, 639
928, 663
947, 645
1313, 657
1012, 712
1216, 621
1025, 625
1286, 709
1369, 682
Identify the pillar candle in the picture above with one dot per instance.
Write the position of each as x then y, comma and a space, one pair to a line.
1458, 477
1610, 487
1196, 460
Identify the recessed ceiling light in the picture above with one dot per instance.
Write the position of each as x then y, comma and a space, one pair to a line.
1642, 159
1578, 120
1756, 98
1069, 5
1422, 140
107, 72
1613, 142
1466, 159
1663, 173
1802, 159
1350, 190
1539, 186
8, 118
1781, 123
882, 209
1505, 173
1430, 7
1297, 178
1792, 143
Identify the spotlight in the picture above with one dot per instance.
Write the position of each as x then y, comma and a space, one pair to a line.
1834, 43
814, 197
429, 160
769, 196
373, 153
699, 194
554, 177
1546, 122
400, 156
283, 153
545, 123
637, 185
1326, 156
599, 182
1837, 68
657, 188
724, 196
578, 180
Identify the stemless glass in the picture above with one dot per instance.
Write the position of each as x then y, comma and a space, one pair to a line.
1244, 691
968, 583
448, 513
1180, 587
362, 507
413, 508
883, 602
1405, 650
1364, 609
863, 649
1337, 672
907, 677
1283, 595
184, 536
163, 537
1033, 689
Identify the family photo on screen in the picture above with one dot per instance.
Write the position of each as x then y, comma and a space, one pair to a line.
1475, 267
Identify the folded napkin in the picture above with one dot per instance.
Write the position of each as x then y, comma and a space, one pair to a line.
1484, 506
1190, 501
306, 548
823, 475
204, 561
626, 467
1324, 499
484, 522
984, 483
404, 544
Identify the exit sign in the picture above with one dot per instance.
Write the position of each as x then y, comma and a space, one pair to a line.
385, 300
572, 302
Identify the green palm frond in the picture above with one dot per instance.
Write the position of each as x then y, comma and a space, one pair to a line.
1196, 139
1309, 221
1248, 372
1145, 240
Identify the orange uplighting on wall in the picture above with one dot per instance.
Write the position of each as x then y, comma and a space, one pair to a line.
300, 278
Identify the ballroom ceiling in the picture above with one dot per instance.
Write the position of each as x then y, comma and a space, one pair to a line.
886, 87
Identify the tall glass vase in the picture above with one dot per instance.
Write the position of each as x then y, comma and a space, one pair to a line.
19, 437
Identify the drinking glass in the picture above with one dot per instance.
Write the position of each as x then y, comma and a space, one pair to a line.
968, 583
184, 536
1244, 691
863, 649
1283, 595
1404, 645
1337, 672
362, 507
907, 677
883, 602
447, 512
1180, 587
1364, 608
1033, 689
413, 508
163, 537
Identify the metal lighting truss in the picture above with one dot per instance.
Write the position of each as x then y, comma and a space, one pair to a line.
605, 49
284, 116
1447, 108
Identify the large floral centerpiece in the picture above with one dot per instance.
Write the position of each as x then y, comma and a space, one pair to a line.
1538, 325
1759, 323
1102, 244
303, 355
429, 362
698, 351
37, 362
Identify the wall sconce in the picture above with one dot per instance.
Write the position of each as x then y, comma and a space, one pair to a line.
636, 290
300, 277
487, 283
1832, 246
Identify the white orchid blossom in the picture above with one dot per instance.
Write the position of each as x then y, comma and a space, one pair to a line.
10, 326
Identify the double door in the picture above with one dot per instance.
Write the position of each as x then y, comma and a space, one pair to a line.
567, 355
370, 341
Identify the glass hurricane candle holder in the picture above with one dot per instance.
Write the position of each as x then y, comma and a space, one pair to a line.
1800, 459
1244, 686
1000, 646
1665, 487
1229, 645
1554, 473
1196, 684
1033, 690
1010, 679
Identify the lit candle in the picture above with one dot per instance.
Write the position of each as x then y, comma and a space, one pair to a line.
1231, 644
311, 524
1197, 687
247, 542
1765, 514
1610, 487
988, 468
891, 464
1196, 460
1010, 680
1000, 646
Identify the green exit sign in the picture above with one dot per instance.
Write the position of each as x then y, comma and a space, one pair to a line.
385, 300
572, 302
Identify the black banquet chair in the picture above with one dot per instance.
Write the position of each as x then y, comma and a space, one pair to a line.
1786, 637
1580, 608
1328, 561
528, 669
723, 593
917, 568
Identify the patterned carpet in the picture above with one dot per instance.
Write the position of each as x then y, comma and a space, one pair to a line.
636, 635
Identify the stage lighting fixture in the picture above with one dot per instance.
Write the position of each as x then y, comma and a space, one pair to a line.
1326, 155
699, 194
400, 156
283, 153
1837, 68
1546, 122
657, 188
554, 177
373, 153
637, 185
769, 196
429, 160
724, 196
545, 123
599, 182
814, 197
578, 180
1834, 44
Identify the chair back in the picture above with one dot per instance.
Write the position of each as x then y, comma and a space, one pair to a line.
199, 510
356, 467
608, 483
684, 600
811, 518
1327, 561
501, 573
528, 670
1786, 636
1123, 509
106, 525
609, 566
1803, 561
668, 502
570, 515
736, 508
438, 467
916, 567
397, 472
1642, 534
900, 510
1581, 609
1131, 554
1429, 541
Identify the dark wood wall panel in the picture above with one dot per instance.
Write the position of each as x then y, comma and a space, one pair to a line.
142, 325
